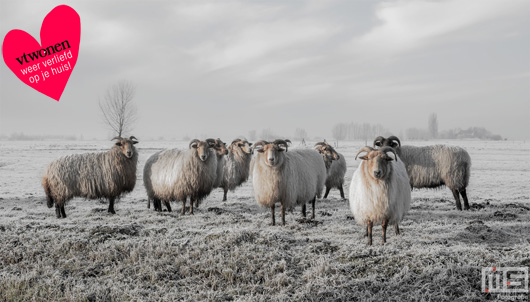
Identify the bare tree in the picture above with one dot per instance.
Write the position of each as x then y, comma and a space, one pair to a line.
433, 125
268, 134
300, 134
118, 109
338, 132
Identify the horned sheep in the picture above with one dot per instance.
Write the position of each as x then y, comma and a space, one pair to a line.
434, 166
289, 178
335, 166
175, 175
92, 175
379, 190
236, 165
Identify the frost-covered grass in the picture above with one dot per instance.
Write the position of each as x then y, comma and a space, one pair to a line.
229, 251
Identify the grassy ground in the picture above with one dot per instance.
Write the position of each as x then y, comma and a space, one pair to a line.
228, 250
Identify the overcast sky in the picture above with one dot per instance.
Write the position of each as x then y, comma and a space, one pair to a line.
222, 68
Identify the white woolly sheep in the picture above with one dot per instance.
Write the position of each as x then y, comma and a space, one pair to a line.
236, 165
434, 166
379, 190
290, 178
335, 166
175, 175
92, 175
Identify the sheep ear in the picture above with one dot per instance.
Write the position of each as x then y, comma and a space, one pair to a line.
250, 144
118, 143
135, 142
364, 157
193, 145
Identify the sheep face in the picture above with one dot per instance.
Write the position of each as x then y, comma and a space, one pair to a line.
242, 144
391, 141
126, 145
273, 152
378, 162
202, 148
328, 153
219, 146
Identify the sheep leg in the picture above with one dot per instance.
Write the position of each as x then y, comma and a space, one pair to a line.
313, 204
396, 228
304, 210
457, 198
384, 225
111, 205
366, 234
224, 195
168, 206
369, 231
282, 210
327, 191
464, 196
63, 213
197, 203
58, 211
183, 207
156, 202
341, 192
191, 205
273, 218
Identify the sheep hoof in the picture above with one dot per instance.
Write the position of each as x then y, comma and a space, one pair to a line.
112, 211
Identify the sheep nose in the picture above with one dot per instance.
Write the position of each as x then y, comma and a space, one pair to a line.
377, 173
271, 160
129, 153
203, 157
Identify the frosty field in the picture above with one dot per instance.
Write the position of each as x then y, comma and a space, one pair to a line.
229, 250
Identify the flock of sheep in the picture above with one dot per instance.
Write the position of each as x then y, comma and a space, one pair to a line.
379, 190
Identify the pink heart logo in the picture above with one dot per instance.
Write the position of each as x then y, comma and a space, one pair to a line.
46, 67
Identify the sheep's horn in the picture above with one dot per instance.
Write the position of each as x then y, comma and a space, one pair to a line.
321, 143
235, 141
194, 141
386, 149
116, 137
364, 149
379, 139
260, 143
132, 137
284, 142
391, 138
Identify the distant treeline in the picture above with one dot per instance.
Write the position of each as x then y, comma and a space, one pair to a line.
20, 136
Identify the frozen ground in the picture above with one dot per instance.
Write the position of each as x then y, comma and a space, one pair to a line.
229, 251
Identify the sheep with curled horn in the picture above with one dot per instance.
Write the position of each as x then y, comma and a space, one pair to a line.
290, 178
335, 166
109, 174
176, 175
220, 151
379, 190
434, 166
236, 165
